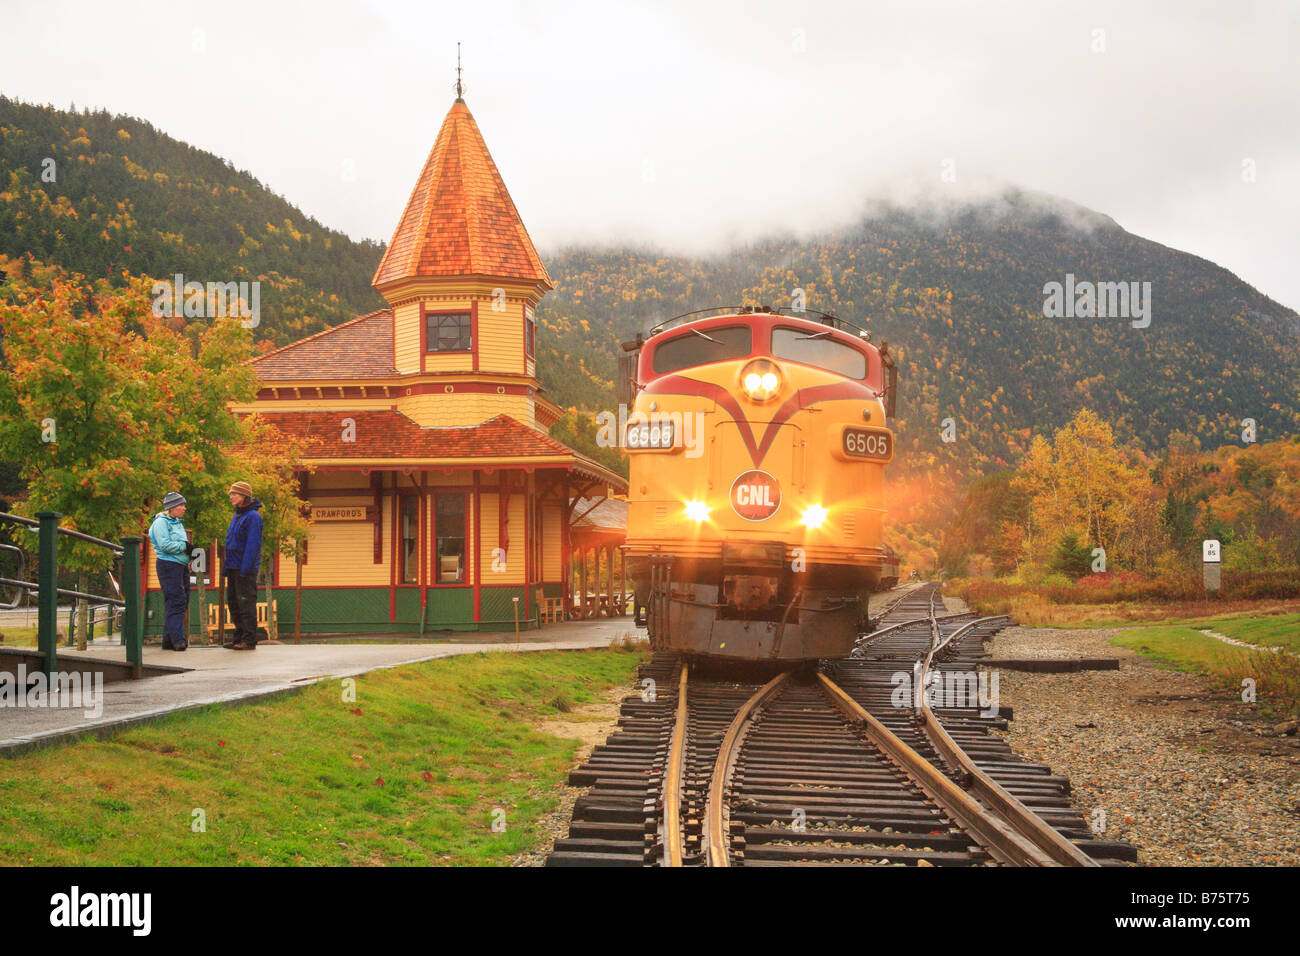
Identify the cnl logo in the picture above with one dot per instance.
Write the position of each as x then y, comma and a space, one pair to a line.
755, 495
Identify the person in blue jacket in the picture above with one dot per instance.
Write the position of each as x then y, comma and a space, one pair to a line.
172, 546
243, 560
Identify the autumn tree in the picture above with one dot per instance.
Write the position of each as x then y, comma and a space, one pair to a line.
105, 408
1079, 482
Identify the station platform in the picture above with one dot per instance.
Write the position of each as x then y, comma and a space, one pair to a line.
214, 675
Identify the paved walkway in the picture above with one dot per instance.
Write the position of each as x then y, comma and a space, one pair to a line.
221, 676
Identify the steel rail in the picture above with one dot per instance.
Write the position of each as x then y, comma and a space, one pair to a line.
717, 816
1027, 823
911, 622
673, 779
1003, 842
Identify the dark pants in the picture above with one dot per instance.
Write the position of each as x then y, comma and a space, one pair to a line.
175, 581
241, 601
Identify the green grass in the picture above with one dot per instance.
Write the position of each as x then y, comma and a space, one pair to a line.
297, 780
18, 636
1183, 648
1279, 630
1276, 677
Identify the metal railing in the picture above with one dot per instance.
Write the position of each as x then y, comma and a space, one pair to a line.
48, 592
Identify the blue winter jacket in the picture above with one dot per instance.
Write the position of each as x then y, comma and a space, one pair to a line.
167, 534
244, 540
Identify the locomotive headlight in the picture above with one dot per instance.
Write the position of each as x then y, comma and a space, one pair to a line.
814, 516
760, 379
697, 511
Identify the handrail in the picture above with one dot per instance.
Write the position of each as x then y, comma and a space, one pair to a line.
48, 592
80, 536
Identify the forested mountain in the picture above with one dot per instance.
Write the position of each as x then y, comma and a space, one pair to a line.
959, 295
100, 194
957, 290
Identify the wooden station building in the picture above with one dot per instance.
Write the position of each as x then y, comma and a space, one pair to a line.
438, 496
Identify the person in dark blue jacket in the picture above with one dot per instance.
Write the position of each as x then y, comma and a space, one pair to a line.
243, 560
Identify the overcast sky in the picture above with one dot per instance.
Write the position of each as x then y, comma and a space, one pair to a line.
694, 125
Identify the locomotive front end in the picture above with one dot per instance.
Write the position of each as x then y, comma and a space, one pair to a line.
757, 445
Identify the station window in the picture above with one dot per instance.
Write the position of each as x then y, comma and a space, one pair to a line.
449, 533
451, 332
530, 333
410, 550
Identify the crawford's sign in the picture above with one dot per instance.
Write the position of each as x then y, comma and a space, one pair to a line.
755, 495
355, 513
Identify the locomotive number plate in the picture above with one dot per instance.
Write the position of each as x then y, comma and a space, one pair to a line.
868, 443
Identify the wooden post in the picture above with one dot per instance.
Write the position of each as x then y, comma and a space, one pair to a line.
622, 570
582, 585
47, 614
133, 618
221, 597
609, 559
297, 601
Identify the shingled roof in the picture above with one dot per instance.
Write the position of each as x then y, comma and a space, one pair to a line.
359, 348
460, 219
388, 435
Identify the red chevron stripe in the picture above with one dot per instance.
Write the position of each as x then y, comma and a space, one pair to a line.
758, 449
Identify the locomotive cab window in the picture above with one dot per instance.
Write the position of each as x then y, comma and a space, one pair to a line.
819, 350
702, 347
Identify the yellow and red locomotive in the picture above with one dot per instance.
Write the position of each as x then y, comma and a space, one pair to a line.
757, 445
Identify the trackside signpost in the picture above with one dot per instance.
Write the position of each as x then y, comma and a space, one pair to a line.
1211, 562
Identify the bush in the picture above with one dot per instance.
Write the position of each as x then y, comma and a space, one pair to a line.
1071, 557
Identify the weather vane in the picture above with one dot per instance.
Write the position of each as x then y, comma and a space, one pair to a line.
460, 89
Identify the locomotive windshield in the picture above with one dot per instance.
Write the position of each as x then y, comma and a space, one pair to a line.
700, 347
820, 350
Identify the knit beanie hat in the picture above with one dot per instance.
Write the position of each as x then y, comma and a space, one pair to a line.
171, 500
242, 488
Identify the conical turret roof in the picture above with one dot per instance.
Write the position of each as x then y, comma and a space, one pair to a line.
460, 219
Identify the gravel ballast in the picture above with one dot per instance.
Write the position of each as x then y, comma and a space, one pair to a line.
1190, 775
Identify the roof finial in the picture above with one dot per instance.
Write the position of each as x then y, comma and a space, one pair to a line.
460, 89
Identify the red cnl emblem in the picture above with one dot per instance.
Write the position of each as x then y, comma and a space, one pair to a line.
755, 495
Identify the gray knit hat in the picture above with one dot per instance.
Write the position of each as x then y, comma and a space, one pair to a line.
171, 500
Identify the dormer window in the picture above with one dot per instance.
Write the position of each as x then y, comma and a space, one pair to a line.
449, 332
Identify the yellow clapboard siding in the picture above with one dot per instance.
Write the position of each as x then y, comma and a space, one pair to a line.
406, 337
488, 537
339, 479
449, 362
342, 553
501, 341
463, 408
551, 542
508, 569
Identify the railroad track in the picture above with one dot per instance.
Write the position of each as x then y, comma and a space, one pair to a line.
825, 767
